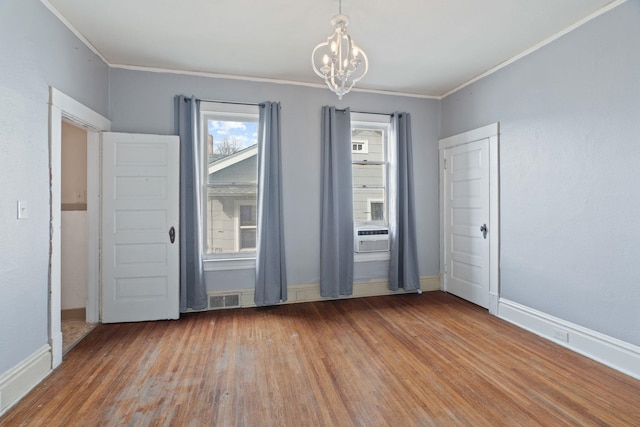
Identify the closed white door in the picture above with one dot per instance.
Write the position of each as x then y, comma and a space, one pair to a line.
140, 250
466, 217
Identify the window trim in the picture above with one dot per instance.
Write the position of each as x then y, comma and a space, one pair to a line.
375, 121
245, 263
372, 256
233, 112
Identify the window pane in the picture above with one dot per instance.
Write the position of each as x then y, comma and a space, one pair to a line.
227, 137
368, 176
247, 215
374, 142
369, 171
232, 149
223, 230
362, 201
247, 238
377, 211
232, 174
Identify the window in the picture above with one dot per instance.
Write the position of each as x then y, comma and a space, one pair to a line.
369, 168
247, 227
230, 132
359, 146
376, 210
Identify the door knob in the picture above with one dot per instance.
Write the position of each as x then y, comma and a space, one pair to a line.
484, 230
172, 234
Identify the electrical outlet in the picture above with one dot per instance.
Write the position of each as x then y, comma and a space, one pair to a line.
561, 335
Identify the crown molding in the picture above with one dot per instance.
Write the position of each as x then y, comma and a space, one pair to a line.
504, 64
261, 80
534, 48
73, 29
87, 43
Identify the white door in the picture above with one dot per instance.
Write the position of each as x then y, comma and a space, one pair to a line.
140, 250
466, 218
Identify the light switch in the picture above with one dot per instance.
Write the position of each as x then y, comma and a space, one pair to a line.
22, 209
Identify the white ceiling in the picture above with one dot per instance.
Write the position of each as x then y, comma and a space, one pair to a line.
421, 47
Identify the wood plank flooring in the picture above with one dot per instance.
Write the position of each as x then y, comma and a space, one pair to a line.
406, 360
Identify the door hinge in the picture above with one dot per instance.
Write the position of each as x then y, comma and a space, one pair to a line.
445, 164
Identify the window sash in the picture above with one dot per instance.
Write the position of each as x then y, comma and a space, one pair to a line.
236, 191
376, 189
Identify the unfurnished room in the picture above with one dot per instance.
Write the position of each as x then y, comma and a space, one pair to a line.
319, 213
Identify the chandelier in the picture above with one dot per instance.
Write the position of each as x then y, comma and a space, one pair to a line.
338, 60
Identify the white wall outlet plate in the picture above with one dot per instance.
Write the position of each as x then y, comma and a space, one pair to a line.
22, 209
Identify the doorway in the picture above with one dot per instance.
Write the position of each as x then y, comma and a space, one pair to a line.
74, 239
469, 216
63, 108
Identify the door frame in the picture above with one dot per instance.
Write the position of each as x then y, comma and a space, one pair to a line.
63, 107
492, 132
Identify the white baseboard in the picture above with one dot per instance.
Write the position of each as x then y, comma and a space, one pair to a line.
430, 283
494, 300
56, 350
602, 348
311, 292
18, 381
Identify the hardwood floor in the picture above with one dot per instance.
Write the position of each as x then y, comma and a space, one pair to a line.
405, 360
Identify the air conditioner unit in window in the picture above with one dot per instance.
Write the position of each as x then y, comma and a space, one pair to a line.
371, 239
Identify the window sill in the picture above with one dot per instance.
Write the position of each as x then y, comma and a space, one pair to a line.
229, 264
371, 256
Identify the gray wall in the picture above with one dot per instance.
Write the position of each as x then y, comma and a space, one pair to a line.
36, 51
143, 102
570, 153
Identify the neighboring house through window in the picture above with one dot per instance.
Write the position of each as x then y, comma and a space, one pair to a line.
231, 182
247, 226
369, 135
359, 146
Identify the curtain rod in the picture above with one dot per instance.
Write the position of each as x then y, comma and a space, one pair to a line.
258, 103
229, 102
367, 112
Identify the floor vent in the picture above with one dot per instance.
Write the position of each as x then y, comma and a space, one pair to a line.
224, 301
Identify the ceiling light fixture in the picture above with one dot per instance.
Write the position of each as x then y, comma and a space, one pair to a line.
338, 60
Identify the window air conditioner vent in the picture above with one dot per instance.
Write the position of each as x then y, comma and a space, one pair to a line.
371, 239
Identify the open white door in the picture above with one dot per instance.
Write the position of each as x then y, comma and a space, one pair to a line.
466, 221
140, 242
469, 215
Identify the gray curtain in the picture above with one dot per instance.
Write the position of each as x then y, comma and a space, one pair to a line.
336, 227
193, 293
271, 272
403, 265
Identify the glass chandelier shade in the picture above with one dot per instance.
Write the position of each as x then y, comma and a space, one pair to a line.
338, 60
